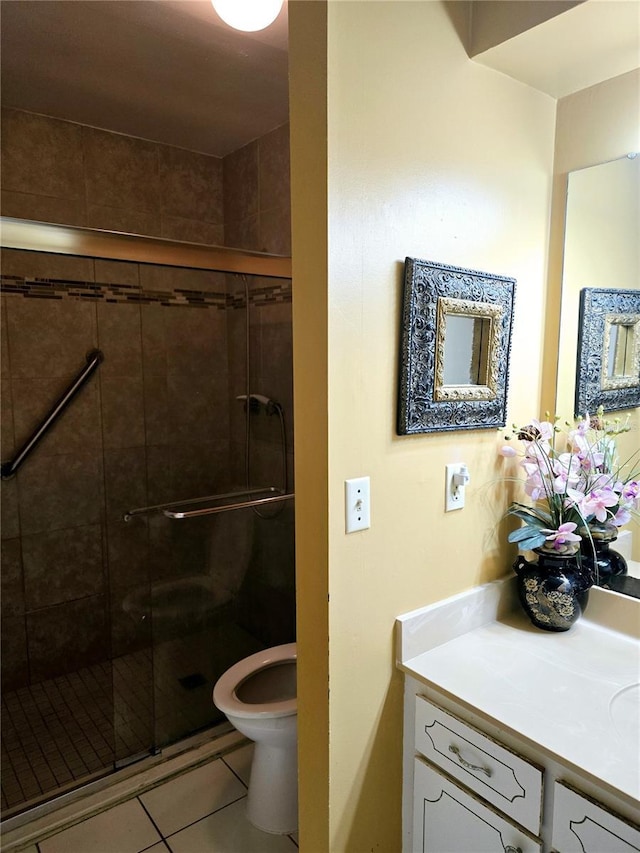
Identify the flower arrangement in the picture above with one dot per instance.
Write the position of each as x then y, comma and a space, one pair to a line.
576, 483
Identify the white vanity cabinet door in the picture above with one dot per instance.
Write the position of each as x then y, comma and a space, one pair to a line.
582, 826
447, 819
506, 780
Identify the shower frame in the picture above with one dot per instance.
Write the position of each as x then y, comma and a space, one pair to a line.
34, 236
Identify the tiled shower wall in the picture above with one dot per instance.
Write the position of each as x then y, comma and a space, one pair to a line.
159, 421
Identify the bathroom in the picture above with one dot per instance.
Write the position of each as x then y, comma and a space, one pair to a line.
468, 181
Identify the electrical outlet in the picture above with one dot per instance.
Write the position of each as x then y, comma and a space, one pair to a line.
357, 504
456, 478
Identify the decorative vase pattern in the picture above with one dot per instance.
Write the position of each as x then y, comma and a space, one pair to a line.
605, 563
554, 590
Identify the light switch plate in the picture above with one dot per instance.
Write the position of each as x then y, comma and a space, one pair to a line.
357, 504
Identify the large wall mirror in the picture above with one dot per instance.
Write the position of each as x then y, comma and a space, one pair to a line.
599, 321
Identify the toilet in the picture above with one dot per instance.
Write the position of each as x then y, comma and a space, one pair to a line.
258, 697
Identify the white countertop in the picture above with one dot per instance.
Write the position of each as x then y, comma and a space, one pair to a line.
556, 690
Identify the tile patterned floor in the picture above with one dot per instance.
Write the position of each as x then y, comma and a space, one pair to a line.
201, 811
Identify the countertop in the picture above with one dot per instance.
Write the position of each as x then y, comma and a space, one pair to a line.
574, 694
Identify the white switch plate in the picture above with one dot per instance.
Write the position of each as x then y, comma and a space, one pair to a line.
357, 504
454, 495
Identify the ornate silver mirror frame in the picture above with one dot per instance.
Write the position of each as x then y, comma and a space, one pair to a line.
433, 293
601, 310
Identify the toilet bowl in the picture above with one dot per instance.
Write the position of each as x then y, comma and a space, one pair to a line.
258, 697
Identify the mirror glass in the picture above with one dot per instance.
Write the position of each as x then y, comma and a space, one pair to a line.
466, 347
600, 251
620, 349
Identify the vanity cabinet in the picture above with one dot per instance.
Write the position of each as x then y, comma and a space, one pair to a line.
448, 819
467, 791
583, 826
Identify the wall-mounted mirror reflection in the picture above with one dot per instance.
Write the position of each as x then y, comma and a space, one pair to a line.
600, 252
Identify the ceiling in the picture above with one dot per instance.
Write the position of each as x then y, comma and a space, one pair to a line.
164, 70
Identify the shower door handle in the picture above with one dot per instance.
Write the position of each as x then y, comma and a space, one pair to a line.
211, 510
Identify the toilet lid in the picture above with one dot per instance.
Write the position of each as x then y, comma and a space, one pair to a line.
225, 696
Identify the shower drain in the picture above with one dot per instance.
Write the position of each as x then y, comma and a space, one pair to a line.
190, 682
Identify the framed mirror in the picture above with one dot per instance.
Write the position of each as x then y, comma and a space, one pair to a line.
608, 362
455, 344
601, 256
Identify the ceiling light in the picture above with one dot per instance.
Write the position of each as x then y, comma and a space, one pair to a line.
248, 15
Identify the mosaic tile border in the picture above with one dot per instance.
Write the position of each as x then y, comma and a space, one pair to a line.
44, 288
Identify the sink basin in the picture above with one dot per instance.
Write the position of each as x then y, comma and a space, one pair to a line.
624, 710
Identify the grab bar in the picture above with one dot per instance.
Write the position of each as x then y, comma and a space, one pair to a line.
167, 507
8, 469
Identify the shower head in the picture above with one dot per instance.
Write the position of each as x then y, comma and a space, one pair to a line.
259, 398
256, 401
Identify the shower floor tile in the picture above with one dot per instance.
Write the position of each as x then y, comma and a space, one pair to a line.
60, 732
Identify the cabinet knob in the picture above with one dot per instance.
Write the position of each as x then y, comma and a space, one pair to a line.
476, 767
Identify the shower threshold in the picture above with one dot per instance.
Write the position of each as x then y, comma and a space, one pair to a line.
40, 822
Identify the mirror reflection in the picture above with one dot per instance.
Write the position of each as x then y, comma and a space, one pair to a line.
466, 348
600, 251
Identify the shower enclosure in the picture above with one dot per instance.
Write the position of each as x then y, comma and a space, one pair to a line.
147, 536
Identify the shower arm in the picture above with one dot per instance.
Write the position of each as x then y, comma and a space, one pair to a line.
170, 509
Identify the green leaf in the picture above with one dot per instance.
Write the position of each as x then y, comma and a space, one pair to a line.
530, 517
523, 533
533, 541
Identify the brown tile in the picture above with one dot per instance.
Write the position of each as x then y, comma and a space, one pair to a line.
274, 169
125, 480
197, 407
122, 411
196, 342
15, 670
121, 171
6, 421
156, 409
121, 219
120, 339
10, 520
40, 208
240, 170
128, 553
117, 272
154, 345
275, 231
243, 233
49, 338
5, 371
191, 185
12, 597
62, 565
192, 231
159, 475
46, 265
58, 490
130, 631
77, 427
40, 155
67, 637
197, 469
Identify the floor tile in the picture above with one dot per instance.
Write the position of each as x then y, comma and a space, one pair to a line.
192, 796
228, 831
240, 761
125, 828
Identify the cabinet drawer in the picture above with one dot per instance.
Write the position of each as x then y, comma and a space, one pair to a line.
583, 826
447, 819
494, 772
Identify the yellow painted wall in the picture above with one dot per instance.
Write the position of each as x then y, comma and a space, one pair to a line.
428, 155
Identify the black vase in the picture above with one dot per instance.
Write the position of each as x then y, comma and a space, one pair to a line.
554, 590
605, 563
